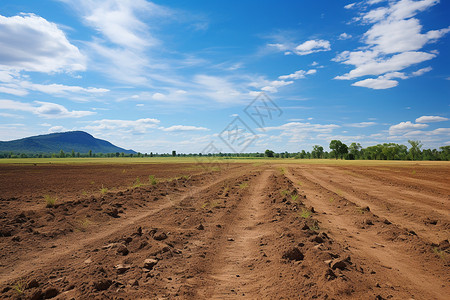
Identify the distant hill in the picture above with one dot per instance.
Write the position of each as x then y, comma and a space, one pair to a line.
79, 141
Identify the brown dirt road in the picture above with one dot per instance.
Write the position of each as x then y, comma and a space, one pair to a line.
248, 231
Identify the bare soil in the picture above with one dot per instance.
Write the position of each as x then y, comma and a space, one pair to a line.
245, 231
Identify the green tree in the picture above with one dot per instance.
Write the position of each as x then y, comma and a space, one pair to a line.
62, 154
90, 153
414, 151
174, 153
354, 149
73, 153
269, 153
339, 148
317, 151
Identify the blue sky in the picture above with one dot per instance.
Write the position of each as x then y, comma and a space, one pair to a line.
190, 75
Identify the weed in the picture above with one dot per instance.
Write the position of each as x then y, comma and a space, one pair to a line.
284, 192
413, 172
210, 204
294, 198
305, 214
300, 183
103, 190
92, 182
282, 170
83, 224
441, 253
331, 200
339, 193
137, 183
152, 179
20, 287
186, 177
50, 201
84, 193
314, 226
243, 185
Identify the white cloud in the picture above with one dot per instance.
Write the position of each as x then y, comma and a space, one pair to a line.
31, 43
430, 119
44, 109
421, 71
159, 96
376, 84
392, 43
361, 124
139, 126
298, 74
119, 21
405, 127
184, 128
57, 129
312, 46
345, 36
376, 65
349, 6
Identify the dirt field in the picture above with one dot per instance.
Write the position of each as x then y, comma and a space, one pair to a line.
250, 231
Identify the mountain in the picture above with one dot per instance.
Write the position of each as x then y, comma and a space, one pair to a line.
79, 141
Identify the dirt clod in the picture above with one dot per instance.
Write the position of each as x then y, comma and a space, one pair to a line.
102, 284
293, 254
123, 250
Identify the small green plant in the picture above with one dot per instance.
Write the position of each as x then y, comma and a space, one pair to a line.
294, 198
152, 179
413, 172
186, 177
284, 192
83, 224
137, 183
50, 201
20, 287
300, 183
331, 200
243, 185
84, 193
314, 226
103, 190
306, 214
441, 253
282, 170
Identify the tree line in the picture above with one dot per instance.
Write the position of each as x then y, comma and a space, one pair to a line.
339, 150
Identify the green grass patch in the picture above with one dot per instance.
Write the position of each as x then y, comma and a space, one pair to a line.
50, 201
103, 190
284, 193
440, 253
294, 198
305, 214
243, 185
152, 179
137, 183
20, 287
